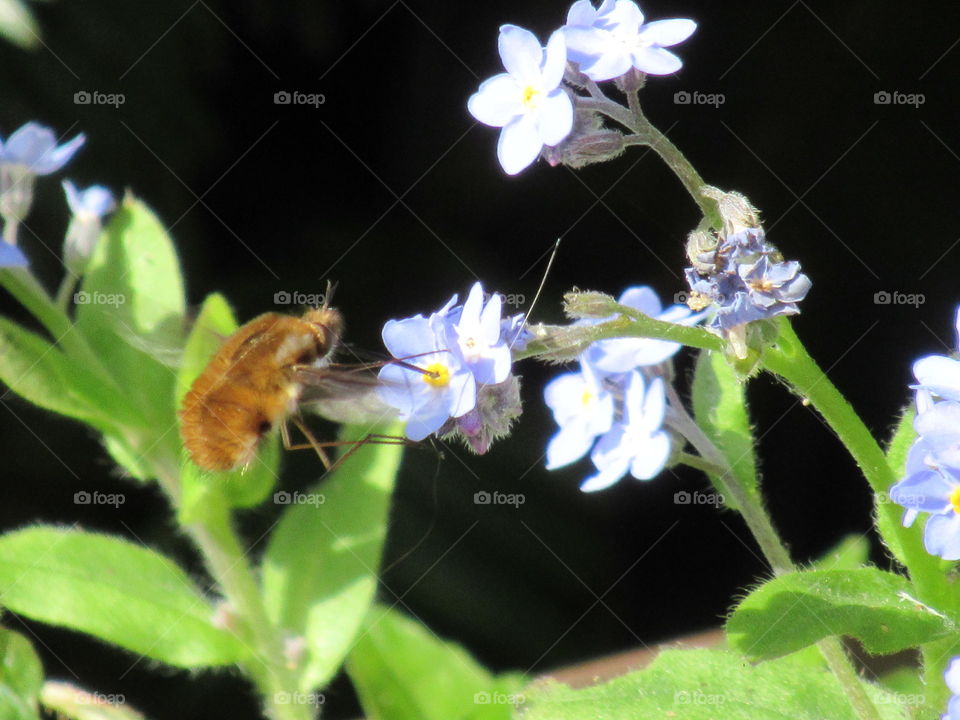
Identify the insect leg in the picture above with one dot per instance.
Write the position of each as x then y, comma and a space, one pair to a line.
311, 441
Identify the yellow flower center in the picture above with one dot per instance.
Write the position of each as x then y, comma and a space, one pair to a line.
531, 97
586, 398
762, 285
437, 374
955, 499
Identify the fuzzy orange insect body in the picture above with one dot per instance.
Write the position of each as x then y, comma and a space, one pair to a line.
253, 384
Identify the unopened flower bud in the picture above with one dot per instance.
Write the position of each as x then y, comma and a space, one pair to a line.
589, 304
737, 212
582, 150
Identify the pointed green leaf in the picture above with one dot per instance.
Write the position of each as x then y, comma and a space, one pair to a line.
720, 408
888, 515
707, 685
115, 590
69, 701
793, 611
130, 309
402, 671
21, 677
320, 568
42, 374
850, 553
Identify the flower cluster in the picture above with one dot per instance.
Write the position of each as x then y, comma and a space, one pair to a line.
614, 406
531, 101
744, 278
932, 482
453, 375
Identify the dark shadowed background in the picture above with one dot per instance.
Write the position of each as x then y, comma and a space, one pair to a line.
392, 190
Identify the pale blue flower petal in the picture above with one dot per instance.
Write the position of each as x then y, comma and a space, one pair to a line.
519, 144
409, 337
581, 13
497, 101
668, 32
651, 456
521, 54
567, 446
461, 394
12, 256
611, 459
941, 536
938, 374
952, 676
555, 119
626, 17
655, 61
554, 61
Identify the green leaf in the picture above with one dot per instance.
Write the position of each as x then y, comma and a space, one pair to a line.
69, 701
706, 685
115, 590
402, 671
130, 309
793, 611
241, 488
320, 568
42, 374
849, 554
21, 676
720, 408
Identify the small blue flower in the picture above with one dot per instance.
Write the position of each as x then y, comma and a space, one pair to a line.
528, 101
750, 282
583, 408
441, 388
608, 41
477, 338
35, 147
933, 489
30, 151
88, 207
637, 444
620, 355
938, 375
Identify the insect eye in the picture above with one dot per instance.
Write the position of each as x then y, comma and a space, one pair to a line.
264, 427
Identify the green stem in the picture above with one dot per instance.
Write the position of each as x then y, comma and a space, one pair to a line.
758, 521
228, 565
789, 360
